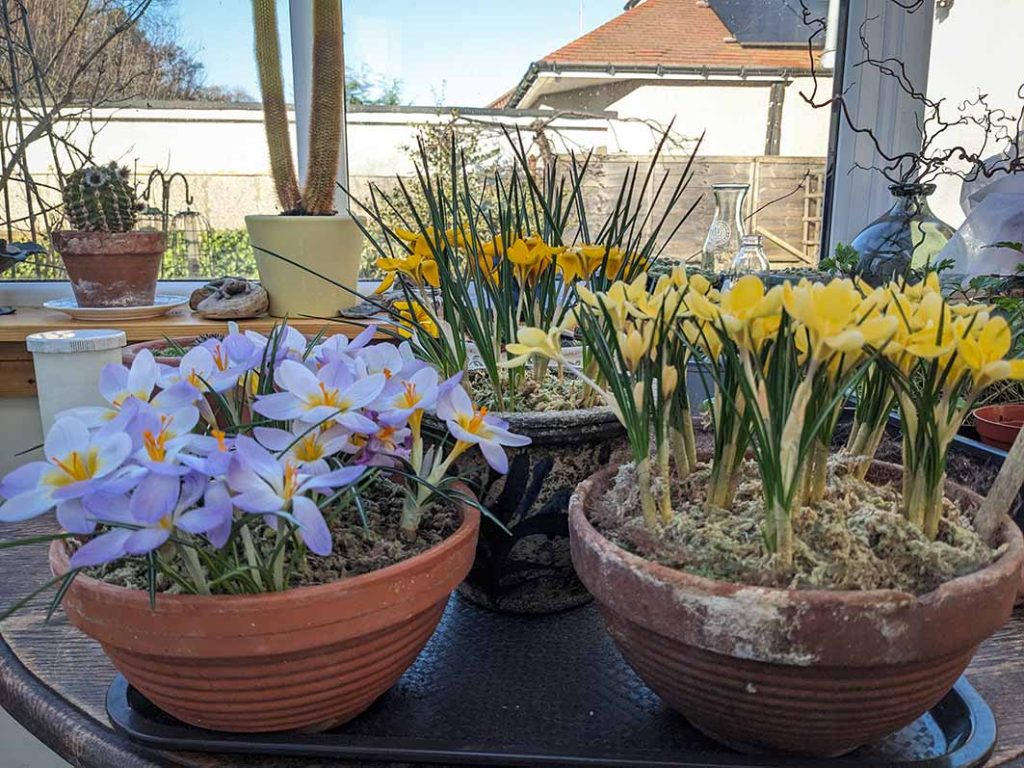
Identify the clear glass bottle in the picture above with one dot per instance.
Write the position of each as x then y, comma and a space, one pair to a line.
725, 235
751, 259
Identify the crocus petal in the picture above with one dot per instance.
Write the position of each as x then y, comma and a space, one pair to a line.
146, 540
109, 508
74, 518
143, 375
365, 391
91, 415
312, 526
259, 501
113, 382
257, 458
176, 396
66, 435
24, 478
123, 480
102, 549
495, 456
461, 434
113, 450
297, 379
356, 422
279, 406
273, 439
25, 506
335, 479
155, 498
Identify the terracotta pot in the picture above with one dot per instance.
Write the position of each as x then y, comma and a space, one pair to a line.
111, 269
808, 671
130, 352
530, 571
313, 248
999, 425
311, 658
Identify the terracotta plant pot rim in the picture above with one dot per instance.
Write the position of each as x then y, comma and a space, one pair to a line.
265, 601
1007, 566
983, 413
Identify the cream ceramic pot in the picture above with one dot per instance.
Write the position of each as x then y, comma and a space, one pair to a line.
328, 246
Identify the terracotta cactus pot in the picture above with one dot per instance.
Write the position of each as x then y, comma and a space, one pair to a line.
111, 269
311, 658
807, 671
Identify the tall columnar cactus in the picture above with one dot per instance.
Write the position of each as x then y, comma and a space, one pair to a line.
317, 199
100, 199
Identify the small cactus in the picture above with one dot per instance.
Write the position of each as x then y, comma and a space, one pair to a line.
100, 199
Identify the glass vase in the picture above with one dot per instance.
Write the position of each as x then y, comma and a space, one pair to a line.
751, 259
725, 235
906, 237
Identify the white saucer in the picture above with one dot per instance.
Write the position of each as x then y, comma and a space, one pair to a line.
161, 306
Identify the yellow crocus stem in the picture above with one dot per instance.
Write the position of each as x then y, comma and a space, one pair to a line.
664, 475
818, 474
416, 450
857, 429
540, 369
913, 499
783, 524
412, 507
868, 450
689, 438
680, 455
933, 503
650, 510
721, 477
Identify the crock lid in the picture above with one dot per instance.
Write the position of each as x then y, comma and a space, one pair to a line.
85, 340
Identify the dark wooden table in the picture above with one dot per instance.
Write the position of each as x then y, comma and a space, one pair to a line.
53, 680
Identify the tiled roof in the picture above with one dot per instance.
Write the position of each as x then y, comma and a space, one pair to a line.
672, 33
502, 101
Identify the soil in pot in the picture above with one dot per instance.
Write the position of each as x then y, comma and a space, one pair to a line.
528, 568
817, 670
855, 539
311, 657
358, 548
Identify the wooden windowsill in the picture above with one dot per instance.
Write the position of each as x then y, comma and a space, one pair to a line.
17, 377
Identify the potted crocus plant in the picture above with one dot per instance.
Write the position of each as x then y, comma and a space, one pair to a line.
468, 273
108, 264
265, 559
308, 256
758, 581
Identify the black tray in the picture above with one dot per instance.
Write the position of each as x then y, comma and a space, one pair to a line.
497, 690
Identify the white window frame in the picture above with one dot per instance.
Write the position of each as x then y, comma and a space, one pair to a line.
856, 198
877, 103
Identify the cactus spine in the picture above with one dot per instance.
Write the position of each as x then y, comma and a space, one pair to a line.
100, 199
325, 128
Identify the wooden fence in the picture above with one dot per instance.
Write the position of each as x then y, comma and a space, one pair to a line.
783, 205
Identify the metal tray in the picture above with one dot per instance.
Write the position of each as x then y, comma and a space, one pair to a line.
499, 690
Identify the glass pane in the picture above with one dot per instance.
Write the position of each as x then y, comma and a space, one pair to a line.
606, 77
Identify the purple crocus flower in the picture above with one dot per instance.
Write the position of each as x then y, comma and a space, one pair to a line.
160, 505
275, 488
331, 394
77, 463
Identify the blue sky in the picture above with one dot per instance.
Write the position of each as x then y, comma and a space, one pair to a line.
464, 52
